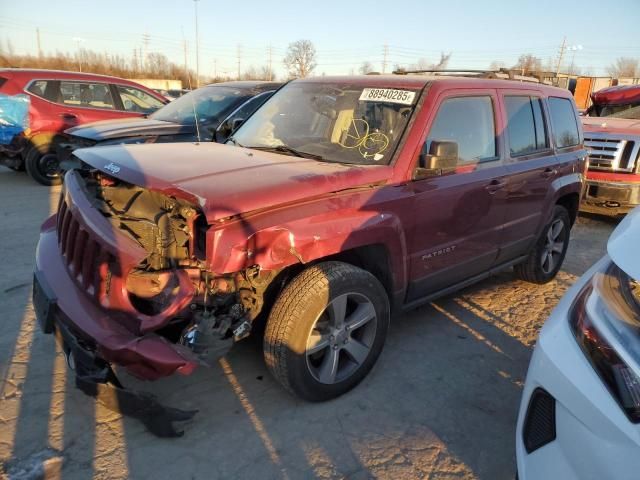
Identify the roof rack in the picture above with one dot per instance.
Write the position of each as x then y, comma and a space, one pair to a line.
503, 74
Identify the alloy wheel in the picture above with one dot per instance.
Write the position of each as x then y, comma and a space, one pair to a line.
554, 246
341, 338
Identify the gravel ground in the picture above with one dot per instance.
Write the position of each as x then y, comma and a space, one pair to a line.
440, 404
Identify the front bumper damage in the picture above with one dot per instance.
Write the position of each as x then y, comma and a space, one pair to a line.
610, 198
120, 279
91, 346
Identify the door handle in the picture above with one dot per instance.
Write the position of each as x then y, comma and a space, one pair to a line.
495, 185
69, 117
549, 172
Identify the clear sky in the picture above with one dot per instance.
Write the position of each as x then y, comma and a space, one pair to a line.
345, 33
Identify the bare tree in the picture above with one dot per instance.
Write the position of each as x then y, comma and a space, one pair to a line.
624, 67
496, 65
257, 73
158, 66
300, 59
366, 67
528, 64
426, 64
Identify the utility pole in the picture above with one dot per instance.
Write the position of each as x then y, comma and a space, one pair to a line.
135, 60
239, 59
39, 44
79, 41
385, 55
270, 50
561, 54
195, 4
145, 58
184, 48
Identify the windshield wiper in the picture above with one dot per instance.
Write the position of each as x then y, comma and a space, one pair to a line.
234, 141
290, 150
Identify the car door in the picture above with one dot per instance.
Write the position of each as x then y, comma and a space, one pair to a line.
86, 101
459, 213
532, 167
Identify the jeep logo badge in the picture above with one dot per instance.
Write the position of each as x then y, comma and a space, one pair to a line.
112, 167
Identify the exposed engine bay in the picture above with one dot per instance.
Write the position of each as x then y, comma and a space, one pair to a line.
172, 232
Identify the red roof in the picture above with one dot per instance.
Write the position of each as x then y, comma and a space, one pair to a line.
617, 95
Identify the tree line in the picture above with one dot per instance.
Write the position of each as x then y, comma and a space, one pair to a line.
300, 61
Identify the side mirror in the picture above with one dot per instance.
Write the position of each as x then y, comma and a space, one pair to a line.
441, 158
236, 124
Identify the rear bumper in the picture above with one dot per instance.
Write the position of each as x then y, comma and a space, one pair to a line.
62, 307
610, 198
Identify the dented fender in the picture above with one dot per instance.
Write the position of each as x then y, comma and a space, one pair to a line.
236, 246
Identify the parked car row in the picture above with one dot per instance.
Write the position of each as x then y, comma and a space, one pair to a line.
36, 106
50, 113
311, 213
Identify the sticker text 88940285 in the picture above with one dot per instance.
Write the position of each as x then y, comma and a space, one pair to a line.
391, 95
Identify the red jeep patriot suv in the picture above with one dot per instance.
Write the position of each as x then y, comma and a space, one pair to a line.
338, 202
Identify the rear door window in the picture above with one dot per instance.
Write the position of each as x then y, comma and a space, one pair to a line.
564, 122
468, 121
525, 127
86, 94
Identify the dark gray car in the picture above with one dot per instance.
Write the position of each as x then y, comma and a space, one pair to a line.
218, 108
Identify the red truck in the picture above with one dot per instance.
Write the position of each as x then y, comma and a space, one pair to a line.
340, 201
612, 135
38, 105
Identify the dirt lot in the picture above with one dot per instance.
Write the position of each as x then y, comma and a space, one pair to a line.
440, 404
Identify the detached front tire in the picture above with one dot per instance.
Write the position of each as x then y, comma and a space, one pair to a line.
44, 168
545, 260
326, 330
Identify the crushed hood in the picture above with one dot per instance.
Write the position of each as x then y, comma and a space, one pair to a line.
622, 246
611, 125
127, 127
225, 180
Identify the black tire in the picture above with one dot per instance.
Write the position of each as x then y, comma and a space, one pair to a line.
44, 168
533, 268
297, 314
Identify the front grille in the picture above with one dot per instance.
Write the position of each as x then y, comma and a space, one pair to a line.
611, 154
540, 421
86, 260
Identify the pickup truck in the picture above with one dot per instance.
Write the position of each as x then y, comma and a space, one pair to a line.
612, 135
340, 202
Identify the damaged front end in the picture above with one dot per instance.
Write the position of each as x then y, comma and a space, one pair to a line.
149, 302
170, 290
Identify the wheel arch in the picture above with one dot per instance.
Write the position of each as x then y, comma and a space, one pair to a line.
570, 201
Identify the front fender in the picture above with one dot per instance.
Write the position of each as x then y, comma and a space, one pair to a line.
238, 246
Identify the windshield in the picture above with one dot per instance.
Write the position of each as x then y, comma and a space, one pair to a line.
331, 122
211, 104
627, 110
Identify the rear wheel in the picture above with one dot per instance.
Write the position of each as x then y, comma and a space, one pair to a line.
44, 168
545, 260
326, 330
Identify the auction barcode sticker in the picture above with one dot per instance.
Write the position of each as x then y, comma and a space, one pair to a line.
405, 97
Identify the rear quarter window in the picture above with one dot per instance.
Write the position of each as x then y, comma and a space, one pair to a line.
564, 122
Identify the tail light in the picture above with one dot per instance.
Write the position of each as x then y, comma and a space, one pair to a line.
607, 313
